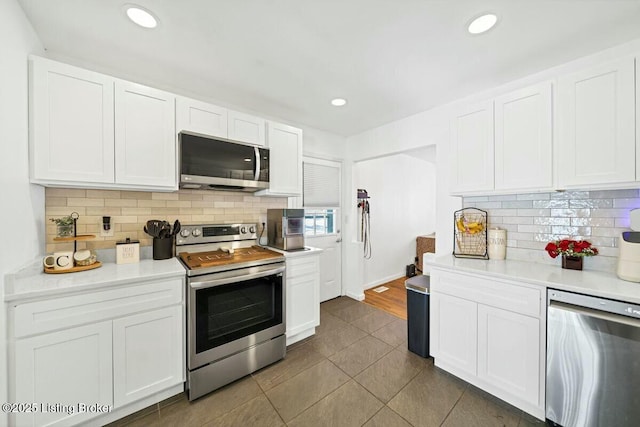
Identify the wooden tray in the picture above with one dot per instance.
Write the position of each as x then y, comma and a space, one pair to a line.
51, 270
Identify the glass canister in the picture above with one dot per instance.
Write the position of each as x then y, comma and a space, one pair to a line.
497, 240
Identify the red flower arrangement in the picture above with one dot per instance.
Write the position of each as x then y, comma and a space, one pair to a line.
580, 248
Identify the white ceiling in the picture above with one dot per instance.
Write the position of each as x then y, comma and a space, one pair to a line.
288, 58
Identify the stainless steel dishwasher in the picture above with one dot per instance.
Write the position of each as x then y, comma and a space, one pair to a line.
593, 361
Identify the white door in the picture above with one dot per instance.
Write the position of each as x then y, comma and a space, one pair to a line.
71, 123
454, 333
246, 128
285, 159
321, 201
509, 352
147, 354
200, 117
596, 125
64, 368
145, 137
472, 149
523, 139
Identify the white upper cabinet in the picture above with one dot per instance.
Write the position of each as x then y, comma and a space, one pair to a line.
71, 124
246, 128
89, 130
285, 160
200, 117
472, 149
523, 139
145, 141
596, 125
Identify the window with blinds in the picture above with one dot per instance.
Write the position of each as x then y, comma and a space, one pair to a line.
321, 196
321, 185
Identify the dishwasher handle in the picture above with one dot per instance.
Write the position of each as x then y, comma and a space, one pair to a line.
598, 314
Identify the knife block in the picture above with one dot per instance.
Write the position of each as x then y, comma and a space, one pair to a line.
162, 248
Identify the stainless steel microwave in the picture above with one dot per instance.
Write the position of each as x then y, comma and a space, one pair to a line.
213, 164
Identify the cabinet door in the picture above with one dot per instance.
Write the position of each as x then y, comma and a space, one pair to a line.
454, 329
145, 140
200, 117
69, 367
246, 128
523, 139
303, 295
472, 149
285, 157
71, 122
148, 353
509, 352
596, 125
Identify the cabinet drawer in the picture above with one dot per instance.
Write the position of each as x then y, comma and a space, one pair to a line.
43, 316
491, 292
302, 266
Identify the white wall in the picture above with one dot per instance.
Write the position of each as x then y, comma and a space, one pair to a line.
23, 214
402, 191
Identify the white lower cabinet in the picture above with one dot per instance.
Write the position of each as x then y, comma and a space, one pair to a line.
491, 334
509, 351
137, 342
456, 331
57, 371
303, 296
110, 348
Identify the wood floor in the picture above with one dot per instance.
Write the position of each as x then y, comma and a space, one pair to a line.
393, 301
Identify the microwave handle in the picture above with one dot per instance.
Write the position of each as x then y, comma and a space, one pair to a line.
256, 152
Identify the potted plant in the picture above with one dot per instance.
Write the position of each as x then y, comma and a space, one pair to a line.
65, 226
572, 251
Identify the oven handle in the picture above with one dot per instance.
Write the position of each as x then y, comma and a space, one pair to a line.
227, 280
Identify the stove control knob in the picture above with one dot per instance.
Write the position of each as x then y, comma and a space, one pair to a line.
196, 232
252, 230
185, 232
243, 230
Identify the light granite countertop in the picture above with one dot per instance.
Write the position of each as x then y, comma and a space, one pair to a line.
589, 282
31, 282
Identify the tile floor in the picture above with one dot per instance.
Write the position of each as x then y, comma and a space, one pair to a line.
356, 371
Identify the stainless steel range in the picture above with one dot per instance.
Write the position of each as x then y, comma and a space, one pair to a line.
235, 304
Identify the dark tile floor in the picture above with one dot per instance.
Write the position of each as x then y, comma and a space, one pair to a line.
356, 371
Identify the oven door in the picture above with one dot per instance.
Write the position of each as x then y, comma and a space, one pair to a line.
234, 310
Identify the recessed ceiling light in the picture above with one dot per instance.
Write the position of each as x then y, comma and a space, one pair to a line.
141, 16
247, 160
338, 102
482, 23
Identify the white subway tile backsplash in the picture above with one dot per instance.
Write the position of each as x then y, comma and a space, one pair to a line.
594, 222
551, 203
524, 204
534, 229
534, 212
502, 198
613, 194
517, 220
622, 222
566, 231
626, 203
570, 212
543, 220
570, 195
608, 232
610, 213
591, 203
537, 196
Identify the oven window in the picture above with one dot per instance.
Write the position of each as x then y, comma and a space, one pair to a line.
228, 312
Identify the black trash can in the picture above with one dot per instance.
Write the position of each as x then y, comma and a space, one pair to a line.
418, 314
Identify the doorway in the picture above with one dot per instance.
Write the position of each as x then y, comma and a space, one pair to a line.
321, 202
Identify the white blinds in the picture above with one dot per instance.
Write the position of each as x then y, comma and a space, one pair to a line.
321, 186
